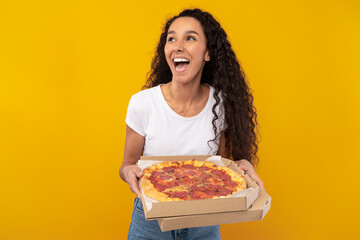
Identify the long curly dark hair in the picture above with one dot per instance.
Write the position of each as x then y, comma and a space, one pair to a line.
225, 74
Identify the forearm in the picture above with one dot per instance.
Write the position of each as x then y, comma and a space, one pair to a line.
134, 144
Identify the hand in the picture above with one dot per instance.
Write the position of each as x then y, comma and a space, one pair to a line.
248, 168
131, 174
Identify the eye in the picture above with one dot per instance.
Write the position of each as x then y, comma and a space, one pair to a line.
191, 38
171, 39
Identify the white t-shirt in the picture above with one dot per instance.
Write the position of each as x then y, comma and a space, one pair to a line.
168, 133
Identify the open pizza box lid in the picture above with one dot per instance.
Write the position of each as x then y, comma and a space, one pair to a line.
242, 201
256, 212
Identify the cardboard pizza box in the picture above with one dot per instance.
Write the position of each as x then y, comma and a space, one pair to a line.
256, 212
158, 210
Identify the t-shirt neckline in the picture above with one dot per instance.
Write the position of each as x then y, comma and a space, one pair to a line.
171, 111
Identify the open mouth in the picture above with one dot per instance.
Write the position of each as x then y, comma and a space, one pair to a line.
181, 64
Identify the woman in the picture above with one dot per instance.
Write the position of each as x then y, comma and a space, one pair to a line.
198, 103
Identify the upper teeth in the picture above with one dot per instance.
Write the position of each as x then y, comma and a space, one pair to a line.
181, 60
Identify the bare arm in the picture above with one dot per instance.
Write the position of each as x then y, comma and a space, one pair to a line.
129, 172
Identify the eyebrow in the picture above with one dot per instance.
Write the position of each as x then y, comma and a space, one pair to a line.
187, 32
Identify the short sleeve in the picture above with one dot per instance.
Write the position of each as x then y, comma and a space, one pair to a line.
134, 118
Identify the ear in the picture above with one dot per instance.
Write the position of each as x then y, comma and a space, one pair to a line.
207, 55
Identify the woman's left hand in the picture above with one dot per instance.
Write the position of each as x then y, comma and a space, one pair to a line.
248, 168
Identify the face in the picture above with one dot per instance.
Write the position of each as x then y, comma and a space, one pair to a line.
185, 50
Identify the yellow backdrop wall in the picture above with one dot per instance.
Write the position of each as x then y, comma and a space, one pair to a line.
68, 69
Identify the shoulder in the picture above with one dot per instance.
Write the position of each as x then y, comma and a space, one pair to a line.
146, 97
146, 94
140, 108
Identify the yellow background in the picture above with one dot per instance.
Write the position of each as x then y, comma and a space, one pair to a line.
68, 69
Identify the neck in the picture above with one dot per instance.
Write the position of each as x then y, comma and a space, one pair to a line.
185, 93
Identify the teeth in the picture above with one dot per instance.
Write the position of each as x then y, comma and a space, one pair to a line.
181, 60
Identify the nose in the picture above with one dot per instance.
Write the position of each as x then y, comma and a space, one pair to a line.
178, 47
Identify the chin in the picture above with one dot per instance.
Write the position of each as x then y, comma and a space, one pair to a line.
185, 78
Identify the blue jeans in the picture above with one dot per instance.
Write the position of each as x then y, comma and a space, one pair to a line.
142, 229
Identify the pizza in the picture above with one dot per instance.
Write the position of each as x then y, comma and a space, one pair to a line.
190, 180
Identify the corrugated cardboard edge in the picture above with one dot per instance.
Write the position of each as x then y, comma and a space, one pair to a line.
251, 197
266, 208
246, 202
256, 213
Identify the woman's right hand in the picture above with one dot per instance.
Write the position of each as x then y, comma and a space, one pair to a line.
131, 174
129, 171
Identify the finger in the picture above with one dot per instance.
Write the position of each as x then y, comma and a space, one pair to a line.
242, 164
134, 185
137, 171
261, 184
136, 190
140, 174
243, 167
256, 178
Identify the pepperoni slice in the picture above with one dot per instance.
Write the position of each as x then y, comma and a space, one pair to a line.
165, 177
224, 192
210, 192
198, 188
159, 186
201, 195
190, 181
169, 169
192, 173
231, 184
179, 175
213, 187
157, 173
179, 182
153, 178
180, 194
204, 168
225, 177
214, 181
188, 166
172, 184
217, 172
194, 194
203, 177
